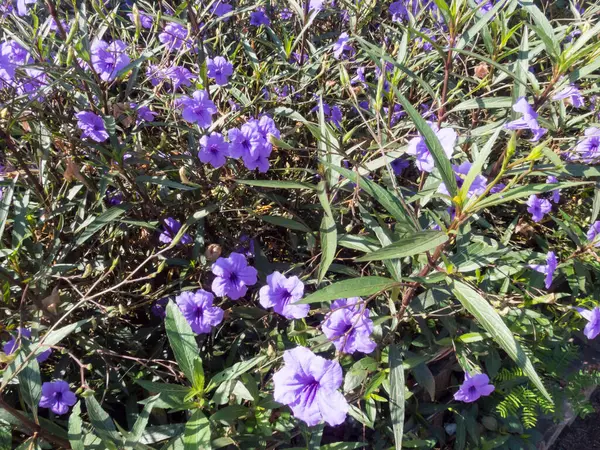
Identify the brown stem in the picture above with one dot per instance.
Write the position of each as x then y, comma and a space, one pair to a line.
34, 428
447, 70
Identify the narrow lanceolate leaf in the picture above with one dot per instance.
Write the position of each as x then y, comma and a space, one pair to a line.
140, 424
483, 21
30, 380
284, 222
409, 245
484, 103
442, 163
526, 191
75, 432
6, 203
543, 28
396, 394
278, 184
477, 166
102, 423
491, 321
100, 222
355, 287
521, 68
197, 432
328, 233
182, 340
384, 197
233, 372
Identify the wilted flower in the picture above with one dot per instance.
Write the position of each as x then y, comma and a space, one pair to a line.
348, 326
145, 20
538, 207
398, 165
528, 121
588, 149
197, 308
592, 328
212, 252
309, 385
258, 18
547, 269
333, 114
92, 126
281, 294
198, 108
593, 232
233, 275
57, 396
158, 309
572, 94
474, 387
170, 229
173, 36
555, 193
342, 46
109, 59
11, 345
418, 147
220, 69
213, 149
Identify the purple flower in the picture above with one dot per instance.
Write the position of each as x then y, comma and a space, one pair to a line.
170, 229
219, 8
92, 126
251, 143
144, 113
220, 69
258, 158
417, 147
299, 59
281, 294
309, 385
485, 6
54, 25
528, 121
178, 76
348, 326
474, 387
424, 43
555, 193
198, 109
11, 345
538, 207
22, 8
403, 9
113, 197
398, 165
547, 269
593, 232
57, 396
145, 20
258, 18
360, 76
315, 5
397, 113
213, 149
197, 308
572, 94
17, 53
243, 140
592, 328
7, 66
285, 14
158, 309
333, 114
478, 186
267, 127
233, 275
588, 149
173, 36
109, 59
342, 46
247, 246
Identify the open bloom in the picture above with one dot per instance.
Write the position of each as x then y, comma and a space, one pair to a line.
92, 126
592, 328
198, 108
548, 269
593, 233
197, 308
57, 396
219, 8
109, 59
348, 326
555, 193
474, 387
213, 149
220, 69
588, 149
571, 94
418, 147
342, 46
7, 66
233, 276
528, 121
538, 207
170, 229
478, 186
173, 36
309, 385
258, 18
11, 345
22, 8
281, 294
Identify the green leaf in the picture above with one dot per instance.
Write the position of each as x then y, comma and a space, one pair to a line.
277, 184
409, 245
6, 204
396, 394
483, 21
233, 372
104, 219
521, 69
160, 181
484, 103
355, 287
30, 380
171, 395
102, 423
230, 413
197, 432
525, 191
328, 233
343, 446
182, 340
543, 28
286, 223
491, 321
140, 424
75, 431
433, 145
477, 166
198, 380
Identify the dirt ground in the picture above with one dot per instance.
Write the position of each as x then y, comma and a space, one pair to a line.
583, 434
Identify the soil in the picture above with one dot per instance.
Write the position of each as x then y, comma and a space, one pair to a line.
583, 434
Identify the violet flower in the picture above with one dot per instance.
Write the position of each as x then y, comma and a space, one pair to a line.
281, 294
198, 108
348, 326
220, 69
547, 269
592, 328
538, 207
474, 387
159, 308
399, 165
213, 149
173, 36
7, 66
170, 229
92, 126
485, 6
588, 149
259, 18
572, 95
478, 186
198, 310
593, 232
418, 147
528, 121
233, 276
57, 396
145, 20
342, 47
219, 8
11, 345
109, 59
178, 76
555, 193
309, 385
22, 8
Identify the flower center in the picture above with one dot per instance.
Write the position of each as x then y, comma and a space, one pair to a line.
233, 278
213, 149
472, 390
